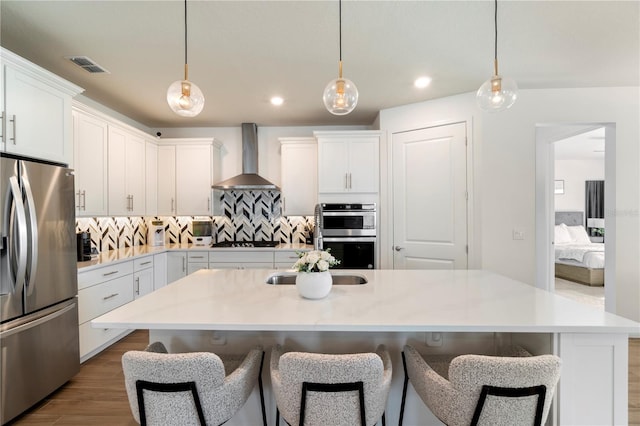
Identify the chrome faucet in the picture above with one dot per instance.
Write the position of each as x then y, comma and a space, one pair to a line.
317, 230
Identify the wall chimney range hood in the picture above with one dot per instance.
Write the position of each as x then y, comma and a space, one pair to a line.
249, 179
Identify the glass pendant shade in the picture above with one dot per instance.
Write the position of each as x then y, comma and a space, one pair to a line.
497, 94
185, 98
340, 97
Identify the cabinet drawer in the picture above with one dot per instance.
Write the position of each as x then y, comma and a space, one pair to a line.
92, 338
96, 276
198, 256
99, 299
243, 265
142, 263
285, 256
242, 256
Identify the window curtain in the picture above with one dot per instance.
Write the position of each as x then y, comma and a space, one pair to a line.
594, 200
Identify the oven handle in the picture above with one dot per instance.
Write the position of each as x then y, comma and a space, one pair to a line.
349, 239
343, 213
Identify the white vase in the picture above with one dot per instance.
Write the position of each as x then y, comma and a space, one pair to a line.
314, 285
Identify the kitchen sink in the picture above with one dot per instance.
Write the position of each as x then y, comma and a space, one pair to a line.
338, 279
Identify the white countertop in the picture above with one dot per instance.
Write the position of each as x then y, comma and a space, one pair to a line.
392, 300
124, 254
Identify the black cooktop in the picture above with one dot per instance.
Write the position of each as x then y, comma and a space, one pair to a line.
257, 244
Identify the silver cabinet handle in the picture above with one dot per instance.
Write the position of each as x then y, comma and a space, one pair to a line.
109, 273
197, 257
13, 120
349, 180
145, 263
208, 204
172, 205
79, 195
131, 202
3, 126
398, 248
111, 296
138, 286
84, 200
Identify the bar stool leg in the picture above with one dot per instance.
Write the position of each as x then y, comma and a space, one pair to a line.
404, 389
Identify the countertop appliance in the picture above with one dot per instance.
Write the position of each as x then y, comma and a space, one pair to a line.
38, 282
201, 230
155, 236
83, 240
350, 231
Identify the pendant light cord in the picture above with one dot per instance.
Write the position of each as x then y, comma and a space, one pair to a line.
340, 27
185, 32
495, 38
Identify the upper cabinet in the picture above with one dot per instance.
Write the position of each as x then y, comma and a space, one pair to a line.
126, 173
90, 137
36, 111
151, 180
299, 176
348, 162
185, 175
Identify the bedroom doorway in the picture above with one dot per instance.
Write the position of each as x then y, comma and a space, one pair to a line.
569, 157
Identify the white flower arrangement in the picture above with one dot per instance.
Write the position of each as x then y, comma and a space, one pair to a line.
315, 261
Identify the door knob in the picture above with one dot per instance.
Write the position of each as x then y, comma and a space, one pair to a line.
398, 248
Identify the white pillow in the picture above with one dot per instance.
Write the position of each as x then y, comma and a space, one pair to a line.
578, 234
561, 235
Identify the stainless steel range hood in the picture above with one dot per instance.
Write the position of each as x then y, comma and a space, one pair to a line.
249, 179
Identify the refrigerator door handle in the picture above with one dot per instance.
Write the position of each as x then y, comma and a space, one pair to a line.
13, 205
33, 234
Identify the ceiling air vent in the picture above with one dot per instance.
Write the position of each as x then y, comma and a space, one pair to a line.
87, 63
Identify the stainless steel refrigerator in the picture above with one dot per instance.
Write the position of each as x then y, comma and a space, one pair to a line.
38, 287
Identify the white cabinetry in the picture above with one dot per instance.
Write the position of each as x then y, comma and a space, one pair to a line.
176, 265
99, 291
36, 114
159, 270
142, 276
90, 164
197, 260
241, 259
126, 173
151, 178
348, 161
299, 176
186, 170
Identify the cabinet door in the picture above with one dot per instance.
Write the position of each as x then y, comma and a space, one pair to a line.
159, 270
299, 170
363, 165
118, 201
90, 164
142, 282
151, 179
38, 118
135, 172
333, 164
176, 266
166, 180
193, 180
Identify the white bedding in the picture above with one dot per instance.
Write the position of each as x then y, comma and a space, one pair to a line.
589, 255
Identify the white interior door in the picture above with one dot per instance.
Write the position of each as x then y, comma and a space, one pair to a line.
430, 198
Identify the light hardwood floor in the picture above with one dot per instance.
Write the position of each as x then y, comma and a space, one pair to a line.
96, 395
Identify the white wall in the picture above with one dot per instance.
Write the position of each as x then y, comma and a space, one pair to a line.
503, 167
574, 173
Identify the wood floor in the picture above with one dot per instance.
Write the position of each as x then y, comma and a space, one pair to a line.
96, 395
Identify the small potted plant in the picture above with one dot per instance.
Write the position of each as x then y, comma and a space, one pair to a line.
314, 280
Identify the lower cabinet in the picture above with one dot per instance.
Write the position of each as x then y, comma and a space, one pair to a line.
176, 265
99, 291
143, 277
284, 259
241, 259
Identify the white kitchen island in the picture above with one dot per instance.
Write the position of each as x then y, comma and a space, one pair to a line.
452, 311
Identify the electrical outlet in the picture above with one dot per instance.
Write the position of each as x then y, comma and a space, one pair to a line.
518, 234
434, 339
218, 338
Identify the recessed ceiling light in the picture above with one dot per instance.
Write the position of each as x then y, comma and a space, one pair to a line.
277, 101
422, 82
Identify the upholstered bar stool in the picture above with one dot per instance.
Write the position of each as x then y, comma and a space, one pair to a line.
323, 389
483, 390
190, 388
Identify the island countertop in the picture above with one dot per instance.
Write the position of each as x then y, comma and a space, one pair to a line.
391, 301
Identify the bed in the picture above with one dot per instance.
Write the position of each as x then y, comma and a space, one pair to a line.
576, 257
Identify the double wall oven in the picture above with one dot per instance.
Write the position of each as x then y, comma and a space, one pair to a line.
349, 230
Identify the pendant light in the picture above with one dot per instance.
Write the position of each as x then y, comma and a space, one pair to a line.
183, 96
340, 97
498, 93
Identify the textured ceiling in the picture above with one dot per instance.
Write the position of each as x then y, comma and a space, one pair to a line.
243, 52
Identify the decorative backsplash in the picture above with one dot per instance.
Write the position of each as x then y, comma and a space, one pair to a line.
244, 216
